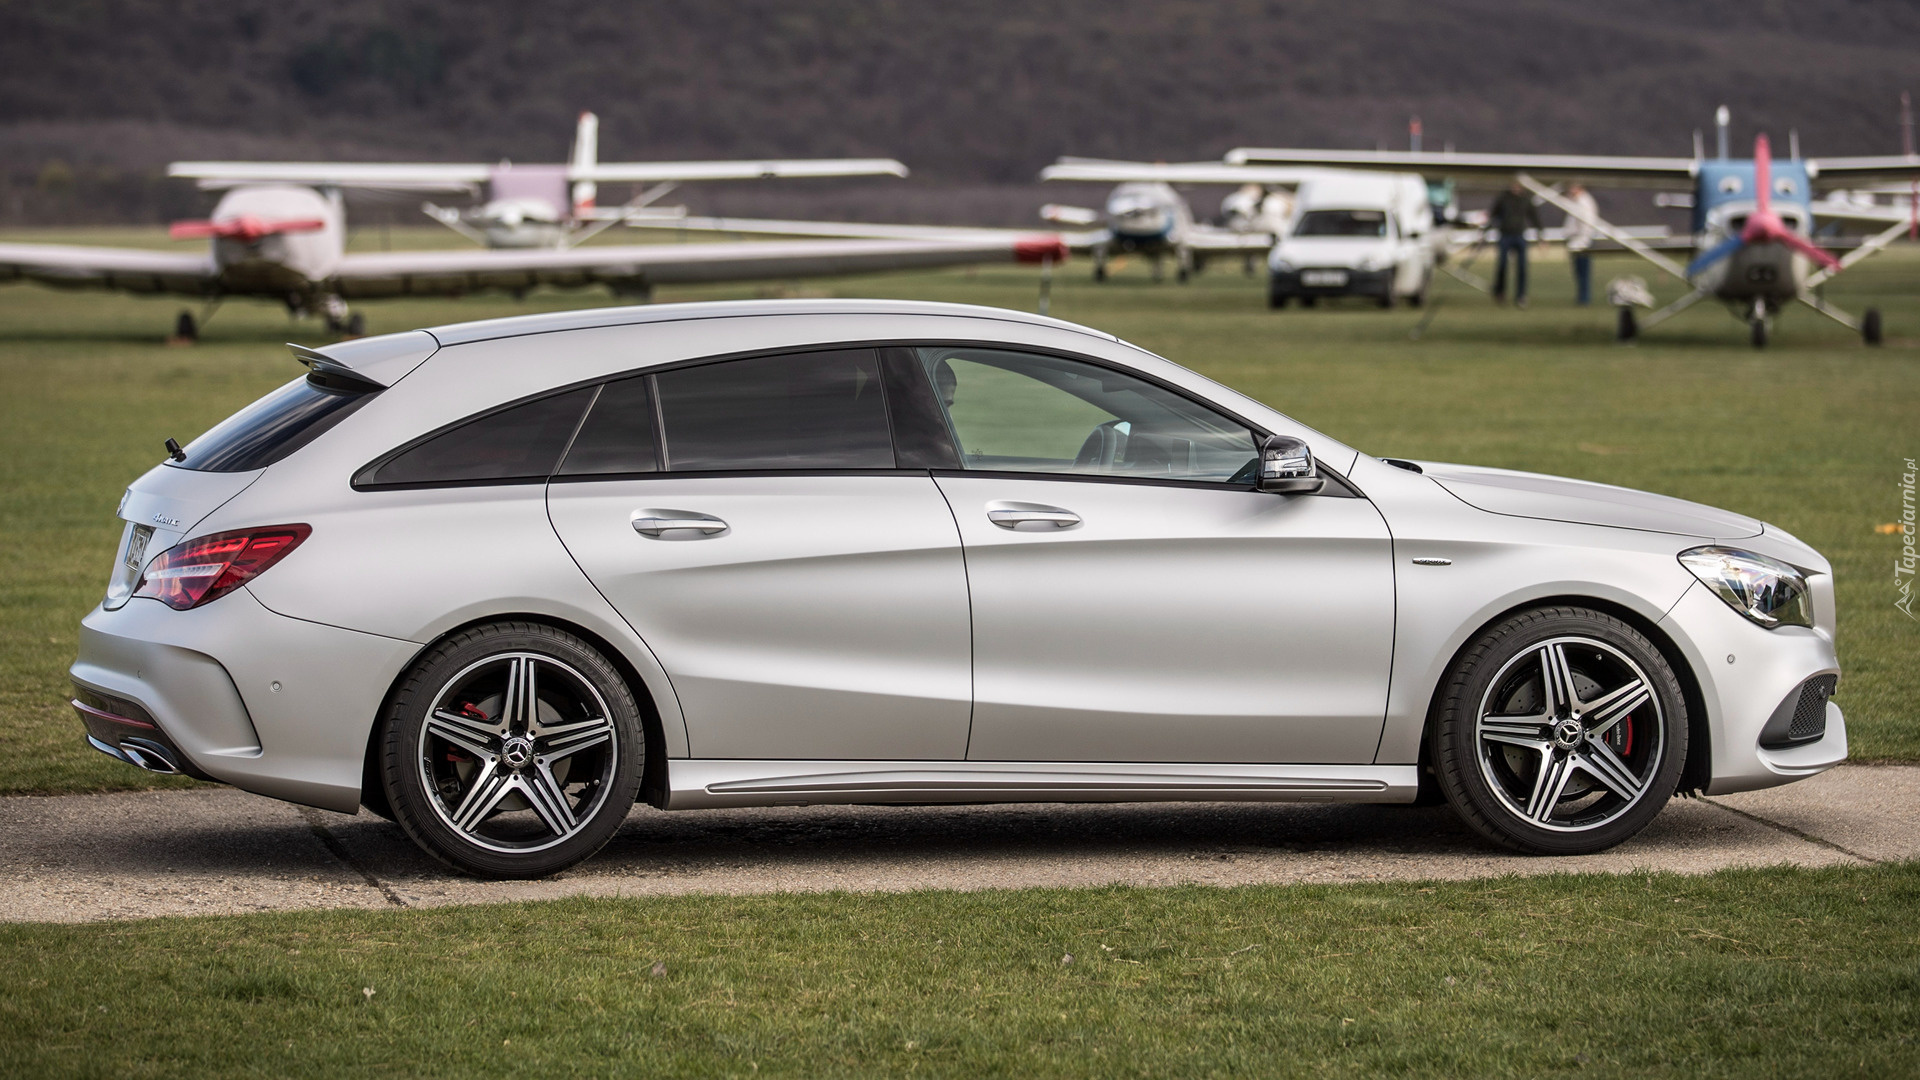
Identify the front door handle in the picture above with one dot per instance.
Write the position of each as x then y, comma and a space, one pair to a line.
687, 524
1032, 517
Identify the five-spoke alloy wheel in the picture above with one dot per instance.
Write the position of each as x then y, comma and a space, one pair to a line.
1560, 731
512, 750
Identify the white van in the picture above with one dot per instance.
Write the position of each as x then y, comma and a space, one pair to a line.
1355, 234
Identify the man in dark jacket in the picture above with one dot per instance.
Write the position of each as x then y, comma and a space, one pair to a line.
1513, 213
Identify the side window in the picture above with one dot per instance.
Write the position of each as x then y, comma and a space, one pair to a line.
1019, 412
618, 436
518, 444
819, 410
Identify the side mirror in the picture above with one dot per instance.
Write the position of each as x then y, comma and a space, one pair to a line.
1287, 468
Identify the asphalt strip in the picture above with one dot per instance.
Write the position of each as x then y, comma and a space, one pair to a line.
80, 858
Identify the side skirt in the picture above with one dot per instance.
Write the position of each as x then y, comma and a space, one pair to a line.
699, 784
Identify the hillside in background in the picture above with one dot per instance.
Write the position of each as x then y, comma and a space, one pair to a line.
97, 95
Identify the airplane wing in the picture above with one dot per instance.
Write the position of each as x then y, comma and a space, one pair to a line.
1187, 172
1863, 213
648, 172
126, 269
637, 267
1203, 238
1075, 241
419, 176
1854, 171
1487, 168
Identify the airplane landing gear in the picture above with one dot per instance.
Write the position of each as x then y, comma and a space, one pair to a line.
1186, 266
1628, 327
1100, 262
1759, 333
1159, 270
342, 321
1870, 327
186, 329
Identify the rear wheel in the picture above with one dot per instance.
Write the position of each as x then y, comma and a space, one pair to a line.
1870, 327
186, 327
1561, 731
512, 750
1628, 326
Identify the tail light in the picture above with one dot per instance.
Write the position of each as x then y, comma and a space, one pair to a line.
197, 571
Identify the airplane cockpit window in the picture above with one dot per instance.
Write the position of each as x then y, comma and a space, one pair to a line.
1730, 185
1784, 186
1342, 223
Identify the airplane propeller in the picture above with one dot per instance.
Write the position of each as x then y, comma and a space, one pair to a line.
246, 228
1763, 225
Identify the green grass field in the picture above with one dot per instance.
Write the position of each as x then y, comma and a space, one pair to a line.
1740, 974
1743, 973
1808, 434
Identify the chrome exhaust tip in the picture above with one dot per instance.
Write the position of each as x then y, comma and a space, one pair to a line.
140, 753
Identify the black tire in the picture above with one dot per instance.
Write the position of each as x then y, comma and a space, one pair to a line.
1276, 299
1499, 769
430, 780
356, 325
1628, 326
1388, 300
1099, 271
186, 327
1870, 327
1757, 333
1309, 301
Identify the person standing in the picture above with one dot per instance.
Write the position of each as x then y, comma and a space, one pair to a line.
1580, 233
1513, 213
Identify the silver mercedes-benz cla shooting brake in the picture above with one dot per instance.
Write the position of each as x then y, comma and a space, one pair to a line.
498, 581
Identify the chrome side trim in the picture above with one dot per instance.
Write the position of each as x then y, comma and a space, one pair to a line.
705, 784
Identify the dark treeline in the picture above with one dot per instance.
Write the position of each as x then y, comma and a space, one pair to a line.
96, 95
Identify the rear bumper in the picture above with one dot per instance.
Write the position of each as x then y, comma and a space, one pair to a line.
238, 694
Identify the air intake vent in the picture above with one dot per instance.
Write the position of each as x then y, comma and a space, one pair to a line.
1810, 715
1801, 716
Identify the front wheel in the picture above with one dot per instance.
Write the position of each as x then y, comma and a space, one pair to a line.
512, 750
1561, 731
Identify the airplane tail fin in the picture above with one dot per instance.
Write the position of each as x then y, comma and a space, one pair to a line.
586, 154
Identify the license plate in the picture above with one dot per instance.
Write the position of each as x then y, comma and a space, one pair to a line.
1323, 279
137, 547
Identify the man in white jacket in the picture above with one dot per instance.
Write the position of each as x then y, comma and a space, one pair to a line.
1580, 242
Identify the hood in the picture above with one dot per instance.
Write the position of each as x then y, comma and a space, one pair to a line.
1343, 251
1555, 498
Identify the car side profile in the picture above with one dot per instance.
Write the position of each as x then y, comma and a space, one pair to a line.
498, 581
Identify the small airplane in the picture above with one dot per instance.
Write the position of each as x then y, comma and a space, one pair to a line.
1143, 215
526, 206
286, 242
1752, 218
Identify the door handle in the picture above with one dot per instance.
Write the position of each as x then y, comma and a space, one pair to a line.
657, 523
1035, 517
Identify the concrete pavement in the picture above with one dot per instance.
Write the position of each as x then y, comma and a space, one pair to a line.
220, 851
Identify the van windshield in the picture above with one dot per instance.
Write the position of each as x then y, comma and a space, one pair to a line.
1342, 223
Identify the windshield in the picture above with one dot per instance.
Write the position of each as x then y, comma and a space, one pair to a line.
276, 425
1342, 223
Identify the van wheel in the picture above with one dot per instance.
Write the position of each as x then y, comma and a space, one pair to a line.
1561, 731
512, 750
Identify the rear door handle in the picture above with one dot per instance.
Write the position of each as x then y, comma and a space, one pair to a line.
1033, 517
687, 524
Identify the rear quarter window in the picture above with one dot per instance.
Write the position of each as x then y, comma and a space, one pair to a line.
277, 425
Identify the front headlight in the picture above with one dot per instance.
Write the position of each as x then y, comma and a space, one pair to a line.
1279, 266
1766, 591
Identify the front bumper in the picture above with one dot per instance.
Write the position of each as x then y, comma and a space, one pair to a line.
277, 706
1356, 282
1747, 674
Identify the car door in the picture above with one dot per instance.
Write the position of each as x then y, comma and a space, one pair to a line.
748, 517
1134, 598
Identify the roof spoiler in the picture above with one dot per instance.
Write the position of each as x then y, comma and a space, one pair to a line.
333, 370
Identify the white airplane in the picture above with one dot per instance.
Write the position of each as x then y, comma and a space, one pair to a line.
1752, 217
1144, 215
287, 243
526, 206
